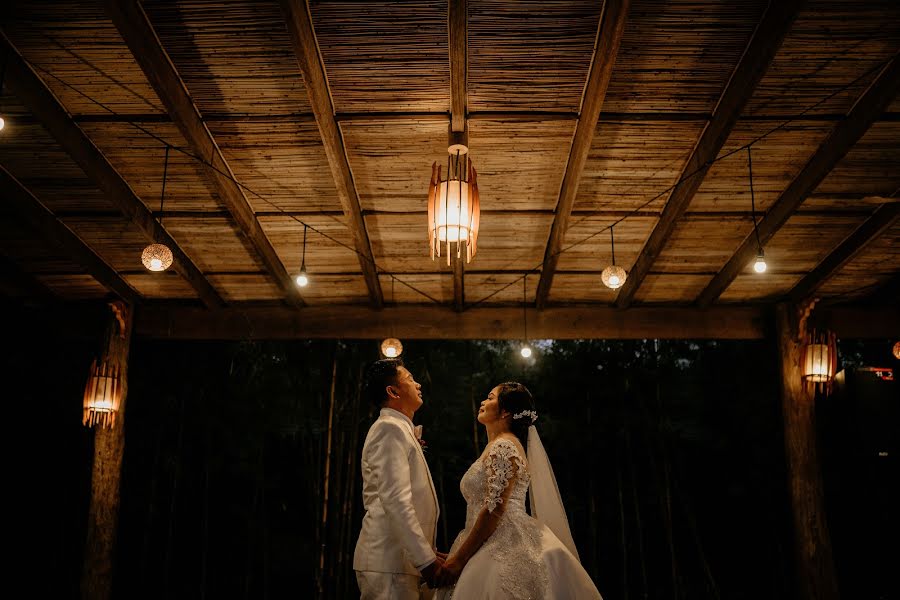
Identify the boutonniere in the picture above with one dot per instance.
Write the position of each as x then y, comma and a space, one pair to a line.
417, 430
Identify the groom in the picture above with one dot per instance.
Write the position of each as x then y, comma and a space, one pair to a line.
396, 545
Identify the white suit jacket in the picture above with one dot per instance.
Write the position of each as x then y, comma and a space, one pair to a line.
399, 527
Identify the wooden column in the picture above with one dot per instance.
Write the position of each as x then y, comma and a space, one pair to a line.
109, 446
812, 542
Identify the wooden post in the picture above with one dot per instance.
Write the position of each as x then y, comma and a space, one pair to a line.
812, 542
109, 445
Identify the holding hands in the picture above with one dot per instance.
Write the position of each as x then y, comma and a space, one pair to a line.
443, 572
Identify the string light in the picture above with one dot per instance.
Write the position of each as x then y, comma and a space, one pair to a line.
158, 257
303, 276
759, 265
525, 351
392, 347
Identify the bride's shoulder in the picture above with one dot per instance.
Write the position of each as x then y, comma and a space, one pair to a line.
505, 447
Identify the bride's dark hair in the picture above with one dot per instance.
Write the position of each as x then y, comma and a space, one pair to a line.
514, 398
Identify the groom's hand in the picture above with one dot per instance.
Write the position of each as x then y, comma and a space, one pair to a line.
433, 572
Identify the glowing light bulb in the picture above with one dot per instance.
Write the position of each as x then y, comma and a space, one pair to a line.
155, 264
2, 123
525, 351
760, 265
302, 279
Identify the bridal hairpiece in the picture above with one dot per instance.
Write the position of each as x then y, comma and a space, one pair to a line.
526, 413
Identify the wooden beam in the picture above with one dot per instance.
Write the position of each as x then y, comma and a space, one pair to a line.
758, 55
864, 112
38, 98
883, 218
106, 472
458, 44
306, 49
457, 28
16, 283
57, 234
442, 322
137, 31
609, 36
812, 542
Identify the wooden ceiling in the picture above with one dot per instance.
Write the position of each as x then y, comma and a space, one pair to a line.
581, 115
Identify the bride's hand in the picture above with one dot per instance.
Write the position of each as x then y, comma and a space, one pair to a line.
450, 572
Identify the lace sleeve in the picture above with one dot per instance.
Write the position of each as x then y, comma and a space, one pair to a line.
502, 464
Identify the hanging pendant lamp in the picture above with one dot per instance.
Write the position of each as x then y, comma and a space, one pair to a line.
454, 207
391, 347
613, 276
759, 265
303, 277
158, 257
525, 350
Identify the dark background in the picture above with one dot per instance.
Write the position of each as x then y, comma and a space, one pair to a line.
669, 456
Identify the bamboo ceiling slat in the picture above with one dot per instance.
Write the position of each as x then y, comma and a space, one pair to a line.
702, 244
514, 241
520, 165
804, 241
594, 254
214, 244
528, 55
25, 151
283, 162
436, 285
481, 285
31, 253
677, 55
237, 287
385, 56
400, 244
324, 255
586, 288
391, 162
336, 289
234, 57
115, 239
831, 44
876, 264
140, 159
749, 287
777, 160
664, 288
871, 168
161, 286
76, 42
74, 287
630, 163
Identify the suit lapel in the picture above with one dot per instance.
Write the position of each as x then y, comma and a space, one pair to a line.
412, 436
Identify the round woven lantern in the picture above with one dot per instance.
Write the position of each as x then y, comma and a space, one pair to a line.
157, 257
391, 348
613, 277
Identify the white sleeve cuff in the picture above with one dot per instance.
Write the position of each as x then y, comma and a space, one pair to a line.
427, 563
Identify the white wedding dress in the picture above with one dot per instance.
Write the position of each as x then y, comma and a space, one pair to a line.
522, 559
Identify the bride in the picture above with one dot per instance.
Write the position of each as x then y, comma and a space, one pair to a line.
503, 553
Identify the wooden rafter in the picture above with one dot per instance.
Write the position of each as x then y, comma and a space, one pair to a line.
309, 59
458, 27
56, 233
609, 36
864, 112
137, 31
758, 55
442, 322
37, 97
880, 221
12, 276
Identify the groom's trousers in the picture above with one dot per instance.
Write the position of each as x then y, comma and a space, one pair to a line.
388, 586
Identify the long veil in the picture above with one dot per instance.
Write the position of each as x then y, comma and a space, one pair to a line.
546, 503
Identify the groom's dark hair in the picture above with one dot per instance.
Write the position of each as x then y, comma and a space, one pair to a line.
379, 375
515, 398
